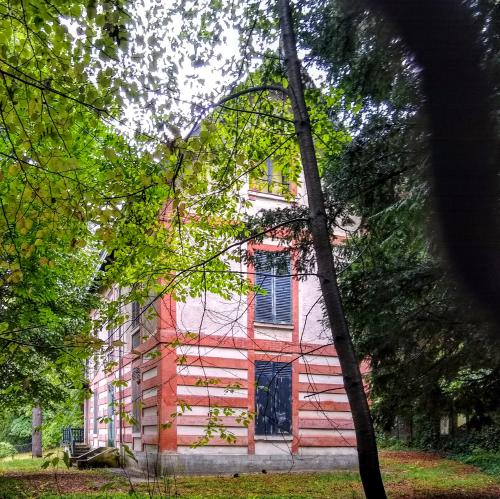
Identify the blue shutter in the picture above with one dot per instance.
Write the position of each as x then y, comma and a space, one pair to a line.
96, 409
263, 398
283, 397
111, 415
136, 314
136, 340
264, 302
273, 398
283, 292
136, 400
275, 307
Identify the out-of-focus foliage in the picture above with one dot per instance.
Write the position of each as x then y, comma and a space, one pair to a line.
432, 352
87, 200
16, 426
64, 175
6, 449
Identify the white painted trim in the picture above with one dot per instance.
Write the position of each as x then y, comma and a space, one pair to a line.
273, 438
211, 391
202, 351
212, 372
327, 415
268, 195
323, 397
270, 325
317, 432
212, 449
321, 360
198, 431
200, 410
321, 378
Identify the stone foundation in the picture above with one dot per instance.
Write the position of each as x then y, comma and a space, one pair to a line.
163, 464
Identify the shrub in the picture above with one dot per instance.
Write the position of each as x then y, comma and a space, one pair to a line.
466, 442
388, 442
489, 462
7, 449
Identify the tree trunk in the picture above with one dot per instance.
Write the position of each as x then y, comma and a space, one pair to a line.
365, 435
36, 435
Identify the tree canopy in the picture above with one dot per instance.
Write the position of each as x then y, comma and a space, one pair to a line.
432, 351
87, 200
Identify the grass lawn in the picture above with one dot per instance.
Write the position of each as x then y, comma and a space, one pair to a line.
406, 474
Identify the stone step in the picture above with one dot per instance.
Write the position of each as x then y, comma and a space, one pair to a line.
80, 450
98, 458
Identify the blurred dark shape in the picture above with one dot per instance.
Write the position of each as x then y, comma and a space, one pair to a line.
446, 41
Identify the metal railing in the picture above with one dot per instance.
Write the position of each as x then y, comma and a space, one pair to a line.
73, 436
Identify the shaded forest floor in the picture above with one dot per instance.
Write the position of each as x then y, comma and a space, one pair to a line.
407, 474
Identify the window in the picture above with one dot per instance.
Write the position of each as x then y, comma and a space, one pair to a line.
136, 400
135, 322
111, 415
96, 410
270, 179
136, 339
273, 398
136, 314
273, 275
111, 348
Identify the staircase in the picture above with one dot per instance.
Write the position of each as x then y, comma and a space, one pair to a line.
73, 439
78, 450
100, 457
83, 456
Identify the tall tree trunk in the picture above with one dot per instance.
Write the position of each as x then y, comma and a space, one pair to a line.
367, 447
36, 434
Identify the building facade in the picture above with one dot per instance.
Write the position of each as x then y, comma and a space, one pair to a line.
234, 385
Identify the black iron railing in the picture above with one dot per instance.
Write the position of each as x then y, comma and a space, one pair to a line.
73, 436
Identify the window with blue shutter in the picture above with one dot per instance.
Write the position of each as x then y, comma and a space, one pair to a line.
136, 340
136, 400
273, 276
136, 314
111, 415
96, 410
273, 398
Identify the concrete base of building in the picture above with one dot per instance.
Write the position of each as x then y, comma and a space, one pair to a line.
166, 464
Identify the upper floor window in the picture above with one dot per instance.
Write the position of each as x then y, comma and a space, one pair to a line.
135, 322
135, 315
273, 275
110, 338
136, 339
136, 400
269, 178
96, 409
